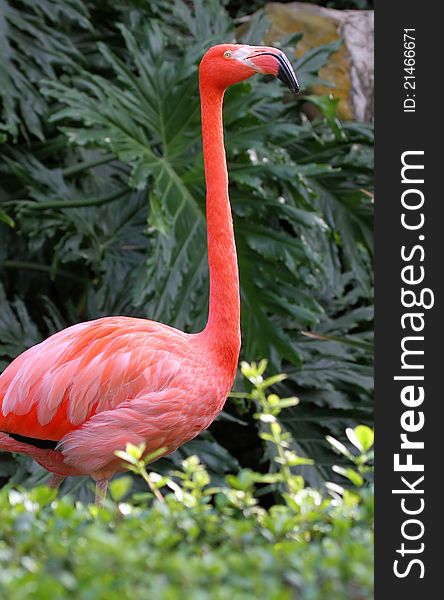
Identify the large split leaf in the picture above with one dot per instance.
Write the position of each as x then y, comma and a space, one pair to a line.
31, 48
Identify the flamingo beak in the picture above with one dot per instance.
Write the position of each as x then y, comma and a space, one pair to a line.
286, 73
273, 62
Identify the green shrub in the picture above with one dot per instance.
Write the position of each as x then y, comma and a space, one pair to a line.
53, 549
187, 538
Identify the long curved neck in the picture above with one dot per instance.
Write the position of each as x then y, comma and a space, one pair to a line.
223, 327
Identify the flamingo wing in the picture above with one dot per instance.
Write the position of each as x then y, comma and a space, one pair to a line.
164, 419
56, 386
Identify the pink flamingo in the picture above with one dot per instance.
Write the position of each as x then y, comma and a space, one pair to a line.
75, 398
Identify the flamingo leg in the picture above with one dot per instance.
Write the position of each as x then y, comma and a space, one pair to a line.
101, 489
55, 480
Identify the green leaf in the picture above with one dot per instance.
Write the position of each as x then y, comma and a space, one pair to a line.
31, 49
6, 219
308, 65
17, 330
158, 219
338, 446
120, 487
329, 106
351, 474
361, 436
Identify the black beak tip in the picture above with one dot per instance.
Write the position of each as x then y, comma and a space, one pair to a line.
289, 78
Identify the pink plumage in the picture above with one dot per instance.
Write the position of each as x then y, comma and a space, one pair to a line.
95, 386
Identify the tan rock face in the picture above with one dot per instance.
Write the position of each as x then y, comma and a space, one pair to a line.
351, 68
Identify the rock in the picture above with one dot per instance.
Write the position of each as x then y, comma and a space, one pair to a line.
351, 69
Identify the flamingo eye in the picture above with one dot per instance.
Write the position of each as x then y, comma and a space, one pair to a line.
227, 54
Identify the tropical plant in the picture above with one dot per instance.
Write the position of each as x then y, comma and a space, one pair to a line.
102, 200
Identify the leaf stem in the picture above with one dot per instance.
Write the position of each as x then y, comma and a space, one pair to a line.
88, 164
77, 203
143, 472
18, 264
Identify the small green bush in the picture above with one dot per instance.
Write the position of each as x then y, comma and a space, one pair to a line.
186, 538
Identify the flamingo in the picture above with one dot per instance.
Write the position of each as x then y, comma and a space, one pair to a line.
74, 399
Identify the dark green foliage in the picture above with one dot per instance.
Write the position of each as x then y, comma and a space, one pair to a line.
102, 198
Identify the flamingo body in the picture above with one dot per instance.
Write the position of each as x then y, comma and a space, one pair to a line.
95, 386
86, 391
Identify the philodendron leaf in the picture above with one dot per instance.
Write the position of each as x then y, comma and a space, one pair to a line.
308, 65
31, 48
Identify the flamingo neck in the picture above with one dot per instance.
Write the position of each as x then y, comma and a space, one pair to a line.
223, 327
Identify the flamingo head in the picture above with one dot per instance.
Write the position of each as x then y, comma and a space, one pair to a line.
227, 64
